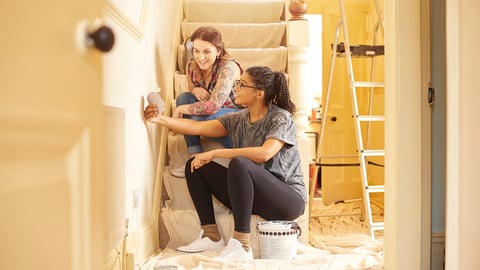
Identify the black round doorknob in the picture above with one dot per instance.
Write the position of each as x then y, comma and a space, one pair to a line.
102, 38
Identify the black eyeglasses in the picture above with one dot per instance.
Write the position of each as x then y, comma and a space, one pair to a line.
241, 84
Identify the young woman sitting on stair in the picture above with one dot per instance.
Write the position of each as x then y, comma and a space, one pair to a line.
210, 76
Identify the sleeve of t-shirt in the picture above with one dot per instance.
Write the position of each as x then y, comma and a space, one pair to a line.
282, 128
231, 120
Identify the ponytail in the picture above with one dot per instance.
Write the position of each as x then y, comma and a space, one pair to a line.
282, 96
275, 86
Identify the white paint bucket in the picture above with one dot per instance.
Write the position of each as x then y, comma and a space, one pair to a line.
278, 239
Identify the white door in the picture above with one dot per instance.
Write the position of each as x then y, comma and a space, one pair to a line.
51, 157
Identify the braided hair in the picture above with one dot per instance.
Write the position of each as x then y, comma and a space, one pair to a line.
275, 86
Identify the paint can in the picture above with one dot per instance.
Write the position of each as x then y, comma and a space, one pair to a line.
278, 239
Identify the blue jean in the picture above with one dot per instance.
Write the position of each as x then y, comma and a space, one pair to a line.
193, 141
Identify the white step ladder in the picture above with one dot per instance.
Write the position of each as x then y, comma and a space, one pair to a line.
348, 51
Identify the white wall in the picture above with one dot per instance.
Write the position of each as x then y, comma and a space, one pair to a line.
142, 60
314, 86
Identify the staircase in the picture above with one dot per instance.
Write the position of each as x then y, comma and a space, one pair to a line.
252, 31
255, 33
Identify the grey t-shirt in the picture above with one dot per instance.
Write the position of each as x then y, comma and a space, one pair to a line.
277, 124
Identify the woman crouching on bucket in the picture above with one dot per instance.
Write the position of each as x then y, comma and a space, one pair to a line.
264, 176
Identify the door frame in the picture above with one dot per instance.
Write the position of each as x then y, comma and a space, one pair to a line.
407, 181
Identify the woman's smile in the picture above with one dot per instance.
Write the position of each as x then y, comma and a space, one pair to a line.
205, 53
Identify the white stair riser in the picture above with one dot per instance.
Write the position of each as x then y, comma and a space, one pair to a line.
236, 35
245, 11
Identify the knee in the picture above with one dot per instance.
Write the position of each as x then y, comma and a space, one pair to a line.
187, 167
189, 161
238, 162
185, 98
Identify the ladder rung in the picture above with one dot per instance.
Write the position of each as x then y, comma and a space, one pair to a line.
379, 188
370, 153
340, 156
340, 54
377, 226
368, 84
371, 118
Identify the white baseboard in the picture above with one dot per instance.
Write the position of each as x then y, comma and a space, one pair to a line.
134, 256
148, 240
113, 260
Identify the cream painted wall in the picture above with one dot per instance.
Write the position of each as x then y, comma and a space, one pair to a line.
142, 60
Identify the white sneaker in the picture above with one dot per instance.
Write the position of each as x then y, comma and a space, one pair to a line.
178, 172
234, 251
202, 244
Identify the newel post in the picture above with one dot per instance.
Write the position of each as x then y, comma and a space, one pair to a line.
297, 9
297, 44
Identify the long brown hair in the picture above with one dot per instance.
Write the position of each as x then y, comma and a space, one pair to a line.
212, 35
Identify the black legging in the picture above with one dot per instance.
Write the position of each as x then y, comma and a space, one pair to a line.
246, 189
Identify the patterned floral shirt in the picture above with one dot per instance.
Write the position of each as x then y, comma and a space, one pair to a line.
221, 93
